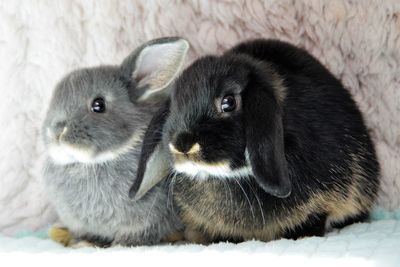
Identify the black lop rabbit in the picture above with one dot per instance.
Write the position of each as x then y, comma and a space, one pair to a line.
262, 142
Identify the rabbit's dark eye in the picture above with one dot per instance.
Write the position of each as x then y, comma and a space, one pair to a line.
98, 105
228, 103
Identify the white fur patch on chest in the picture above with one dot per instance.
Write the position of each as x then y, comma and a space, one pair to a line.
219, 170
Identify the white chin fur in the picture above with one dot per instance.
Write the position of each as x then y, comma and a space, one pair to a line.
64, 154
67, 154
203, 171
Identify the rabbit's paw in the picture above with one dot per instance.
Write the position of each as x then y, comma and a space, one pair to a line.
81, 244
60, 235
174, 237
194, 236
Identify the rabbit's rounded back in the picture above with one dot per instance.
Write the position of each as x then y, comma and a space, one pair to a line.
265, 142
93, 132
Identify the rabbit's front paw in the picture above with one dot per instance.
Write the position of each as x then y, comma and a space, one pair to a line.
81, 244
60, 235
196, 237
174, 237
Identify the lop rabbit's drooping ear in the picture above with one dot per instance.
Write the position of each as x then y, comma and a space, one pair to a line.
264, 139
153, 66
153, 165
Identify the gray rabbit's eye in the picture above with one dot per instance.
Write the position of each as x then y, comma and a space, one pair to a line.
98, 105
228, 103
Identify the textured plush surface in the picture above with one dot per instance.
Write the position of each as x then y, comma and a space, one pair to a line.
359, 41
361, 245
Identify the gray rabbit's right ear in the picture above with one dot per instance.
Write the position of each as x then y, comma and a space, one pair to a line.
153, 66
153, 166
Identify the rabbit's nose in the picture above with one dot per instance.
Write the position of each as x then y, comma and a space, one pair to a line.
64, 130
185, 144
57, 130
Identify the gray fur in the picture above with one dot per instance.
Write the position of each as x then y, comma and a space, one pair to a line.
90, 191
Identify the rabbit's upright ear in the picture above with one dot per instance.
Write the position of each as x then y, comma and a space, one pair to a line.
153, 166
264, 139
154, 65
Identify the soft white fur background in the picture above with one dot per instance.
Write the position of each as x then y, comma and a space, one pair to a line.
359, 41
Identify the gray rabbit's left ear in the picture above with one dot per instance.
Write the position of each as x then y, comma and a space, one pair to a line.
154, 65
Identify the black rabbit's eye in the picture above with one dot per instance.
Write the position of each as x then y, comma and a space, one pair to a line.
98, 105
228, 103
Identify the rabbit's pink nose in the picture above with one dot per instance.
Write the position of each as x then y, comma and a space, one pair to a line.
56, 134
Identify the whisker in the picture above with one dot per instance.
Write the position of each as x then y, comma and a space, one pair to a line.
258, 200
150, 210
171, 192
247, 197
226, 185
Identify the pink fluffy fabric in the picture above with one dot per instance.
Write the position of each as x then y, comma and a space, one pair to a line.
359, 41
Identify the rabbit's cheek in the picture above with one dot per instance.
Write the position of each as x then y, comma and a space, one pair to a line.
134, 142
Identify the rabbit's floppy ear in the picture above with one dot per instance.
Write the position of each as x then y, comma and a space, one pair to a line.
264, 139
153, 165
154, 65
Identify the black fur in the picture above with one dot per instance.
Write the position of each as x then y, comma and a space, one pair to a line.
314, 226
95, 240
304, 135
264, 137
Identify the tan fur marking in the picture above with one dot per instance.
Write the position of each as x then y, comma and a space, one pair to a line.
194, 149
174, 237
173, 149
336, 207
356, 201
60, 235
219, 226
339, 203
196, 237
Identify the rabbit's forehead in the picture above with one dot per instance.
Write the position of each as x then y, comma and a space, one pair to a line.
202, 83
201, 99
80, 87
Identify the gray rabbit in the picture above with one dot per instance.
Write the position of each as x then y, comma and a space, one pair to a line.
93, 132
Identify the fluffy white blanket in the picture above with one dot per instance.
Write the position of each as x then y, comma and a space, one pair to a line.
359, 41
362, 245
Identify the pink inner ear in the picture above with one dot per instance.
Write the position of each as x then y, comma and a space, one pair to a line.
139, 76
153, 58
